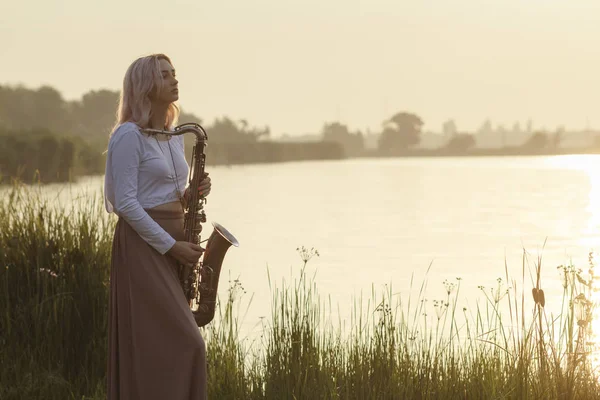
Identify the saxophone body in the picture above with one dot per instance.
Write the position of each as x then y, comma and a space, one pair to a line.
201, 281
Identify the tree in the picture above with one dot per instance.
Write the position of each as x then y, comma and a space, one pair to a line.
49, 110
558, 137
536, 141
517, 128
353, 143
485, 128
501, 134
401, 131
185, 117
95, 113
22, 108
529, 128
226, 130
461, 142
449, 128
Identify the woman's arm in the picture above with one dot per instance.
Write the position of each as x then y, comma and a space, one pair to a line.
125, 154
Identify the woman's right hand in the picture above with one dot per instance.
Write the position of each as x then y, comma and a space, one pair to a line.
185, 252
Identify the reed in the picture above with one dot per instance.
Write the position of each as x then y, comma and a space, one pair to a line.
54, 270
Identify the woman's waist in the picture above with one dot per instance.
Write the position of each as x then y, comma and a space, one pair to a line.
159, 201
171, 220
171, 205
168, 210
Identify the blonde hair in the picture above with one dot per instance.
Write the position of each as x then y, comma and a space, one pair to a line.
141, 81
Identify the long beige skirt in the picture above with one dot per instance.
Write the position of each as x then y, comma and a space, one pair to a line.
155, 349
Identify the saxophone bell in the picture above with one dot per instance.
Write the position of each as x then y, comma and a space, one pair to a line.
225, 234
217, 245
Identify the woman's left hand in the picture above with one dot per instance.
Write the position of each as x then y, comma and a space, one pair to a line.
203, 189
205, 185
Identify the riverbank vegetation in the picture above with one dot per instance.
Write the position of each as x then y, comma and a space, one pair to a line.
54, 271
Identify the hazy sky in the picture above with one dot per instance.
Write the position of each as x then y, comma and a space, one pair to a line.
294, 65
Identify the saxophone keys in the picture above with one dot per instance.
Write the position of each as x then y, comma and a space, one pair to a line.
201, 216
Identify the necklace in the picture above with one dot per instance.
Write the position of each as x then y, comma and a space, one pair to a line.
173, 178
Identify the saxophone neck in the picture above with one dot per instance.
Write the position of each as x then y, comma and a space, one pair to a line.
191, 127
196, 129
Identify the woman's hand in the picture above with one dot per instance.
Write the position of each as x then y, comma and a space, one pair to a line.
203, 189
186, 253
205, 185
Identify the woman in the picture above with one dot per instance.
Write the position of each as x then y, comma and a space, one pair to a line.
155, 349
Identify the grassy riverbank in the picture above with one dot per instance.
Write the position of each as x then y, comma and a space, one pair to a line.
54, 269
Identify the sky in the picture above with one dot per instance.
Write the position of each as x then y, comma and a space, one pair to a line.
296, 65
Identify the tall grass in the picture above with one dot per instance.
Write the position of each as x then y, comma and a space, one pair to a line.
54, 278
54, 270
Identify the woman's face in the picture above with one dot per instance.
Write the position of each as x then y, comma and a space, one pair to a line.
168, 92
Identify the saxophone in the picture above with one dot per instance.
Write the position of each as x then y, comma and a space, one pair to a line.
200, 282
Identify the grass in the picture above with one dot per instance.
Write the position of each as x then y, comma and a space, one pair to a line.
54, 270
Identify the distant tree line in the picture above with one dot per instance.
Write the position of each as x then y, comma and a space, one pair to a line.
45, 137
93, 116
63, 139
37, 154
